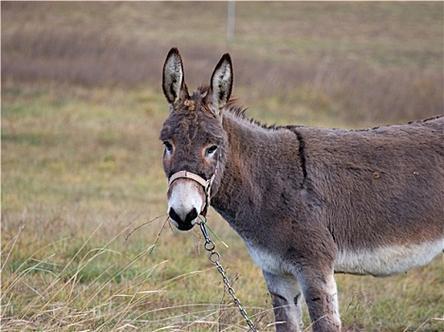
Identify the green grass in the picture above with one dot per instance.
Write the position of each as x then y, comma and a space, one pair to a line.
81, 160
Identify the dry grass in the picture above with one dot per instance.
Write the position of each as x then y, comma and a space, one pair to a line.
80, 171
81, 113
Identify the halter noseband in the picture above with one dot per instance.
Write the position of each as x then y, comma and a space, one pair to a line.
206, 184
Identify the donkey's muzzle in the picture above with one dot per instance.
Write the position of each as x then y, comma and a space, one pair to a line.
184, 224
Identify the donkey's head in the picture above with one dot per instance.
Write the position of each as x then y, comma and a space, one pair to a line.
195, 141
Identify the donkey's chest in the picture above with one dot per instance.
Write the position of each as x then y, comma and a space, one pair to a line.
266, 259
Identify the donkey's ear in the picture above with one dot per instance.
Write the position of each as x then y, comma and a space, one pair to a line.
222, 82
173, 78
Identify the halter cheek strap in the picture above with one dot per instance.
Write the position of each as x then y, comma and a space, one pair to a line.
206, 184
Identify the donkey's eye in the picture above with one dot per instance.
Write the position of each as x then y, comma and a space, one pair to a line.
168, 146
209, 151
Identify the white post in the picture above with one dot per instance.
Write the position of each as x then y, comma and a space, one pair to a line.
231, 19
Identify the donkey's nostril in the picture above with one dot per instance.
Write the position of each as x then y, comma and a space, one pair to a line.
173, 215
184, 224
191, 216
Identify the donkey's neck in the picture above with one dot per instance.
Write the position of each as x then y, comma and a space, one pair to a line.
257, 165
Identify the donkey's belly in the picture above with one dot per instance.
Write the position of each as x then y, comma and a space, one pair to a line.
387, 260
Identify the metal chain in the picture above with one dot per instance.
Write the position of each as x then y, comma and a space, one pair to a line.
214, 258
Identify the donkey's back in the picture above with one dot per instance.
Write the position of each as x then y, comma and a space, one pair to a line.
381, 192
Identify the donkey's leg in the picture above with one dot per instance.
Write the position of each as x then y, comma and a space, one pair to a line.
320, 293
286, 296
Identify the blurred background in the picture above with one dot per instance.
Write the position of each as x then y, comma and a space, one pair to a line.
82, 108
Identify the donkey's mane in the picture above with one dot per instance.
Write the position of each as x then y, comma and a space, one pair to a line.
239, 111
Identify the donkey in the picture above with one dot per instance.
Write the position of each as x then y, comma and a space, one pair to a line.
308, 202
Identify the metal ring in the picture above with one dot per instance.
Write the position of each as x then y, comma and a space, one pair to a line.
209, 246
214, 257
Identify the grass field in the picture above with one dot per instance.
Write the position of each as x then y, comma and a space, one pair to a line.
81, 114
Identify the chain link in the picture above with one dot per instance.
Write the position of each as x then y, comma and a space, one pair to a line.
214, 258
